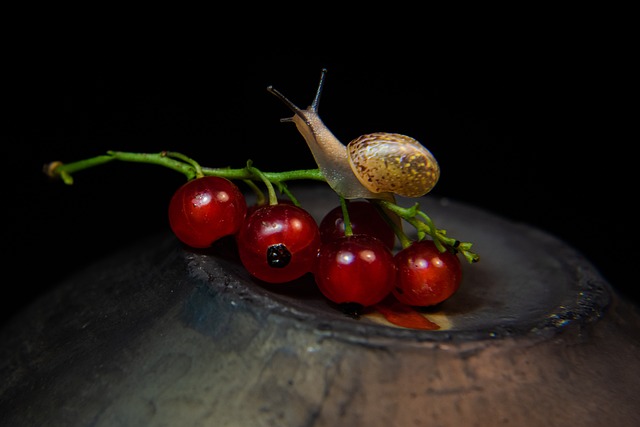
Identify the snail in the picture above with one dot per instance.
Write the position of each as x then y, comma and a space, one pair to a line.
373, 166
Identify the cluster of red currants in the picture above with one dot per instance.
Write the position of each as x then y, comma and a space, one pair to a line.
278, 243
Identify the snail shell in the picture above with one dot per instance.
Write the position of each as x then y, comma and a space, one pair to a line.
373, 166
395, 163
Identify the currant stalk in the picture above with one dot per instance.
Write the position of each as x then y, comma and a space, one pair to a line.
192, 169
424, 225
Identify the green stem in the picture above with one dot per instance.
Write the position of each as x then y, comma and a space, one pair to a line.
274, 177
177, 162
285, 190
344, 204
189, 160
439, 237
405, 241
260, 199
273, 200
64, 170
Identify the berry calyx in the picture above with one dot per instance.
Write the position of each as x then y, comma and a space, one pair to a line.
278, 243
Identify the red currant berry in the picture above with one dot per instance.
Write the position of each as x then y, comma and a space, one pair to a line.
355, 269
278, 243
425, 275
365, 219
206, 209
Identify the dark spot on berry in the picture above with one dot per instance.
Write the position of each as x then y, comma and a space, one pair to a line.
399, 290
278, 256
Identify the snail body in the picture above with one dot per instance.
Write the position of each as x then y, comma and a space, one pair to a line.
372, 166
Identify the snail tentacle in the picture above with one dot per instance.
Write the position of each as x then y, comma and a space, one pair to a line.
330, 154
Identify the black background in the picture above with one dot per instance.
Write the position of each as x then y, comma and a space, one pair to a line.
529, 130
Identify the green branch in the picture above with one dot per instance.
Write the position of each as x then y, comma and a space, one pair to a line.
425, 226
191, 169
177, 162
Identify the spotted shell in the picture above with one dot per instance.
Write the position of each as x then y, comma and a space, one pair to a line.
395, 163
